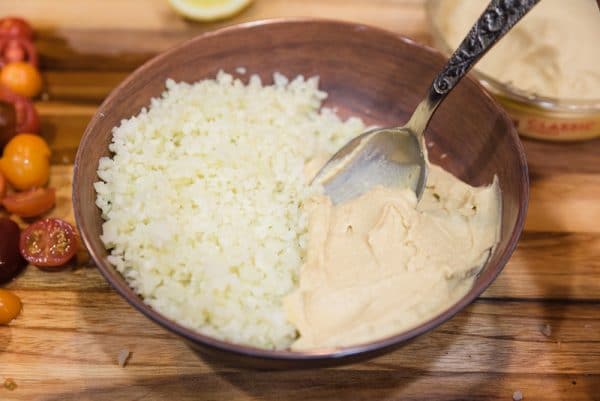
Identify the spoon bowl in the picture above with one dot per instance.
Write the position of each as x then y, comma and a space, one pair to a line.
381, 156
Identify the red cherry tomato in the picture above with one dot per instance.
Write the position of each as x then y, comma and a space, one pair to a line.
28, 119
17, 49
11, 261
31, 203
48, 243
15, 27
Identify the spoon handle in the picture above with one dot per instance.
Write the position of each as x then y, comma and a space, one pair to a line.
497, 19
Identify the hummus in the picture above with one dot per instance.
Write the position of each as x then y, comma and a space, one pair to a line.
383, 263
552, 52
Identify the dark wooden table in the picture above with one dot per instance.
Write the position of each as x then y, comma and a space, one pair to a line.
537, 329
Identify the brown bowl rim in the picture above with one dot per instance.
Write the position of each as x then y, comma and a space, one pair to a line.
193, 336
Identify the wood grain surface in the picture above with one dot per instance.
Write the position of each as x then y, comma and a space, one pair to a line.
536, 329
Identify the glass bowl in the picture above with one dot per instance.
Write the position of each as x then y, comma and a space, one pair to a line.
533, 115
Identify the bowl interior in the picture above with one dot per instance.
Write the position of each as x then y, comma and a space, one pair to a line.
367, 72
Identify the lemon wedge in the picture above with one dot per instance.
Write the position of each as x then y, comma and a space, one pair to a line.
208, 10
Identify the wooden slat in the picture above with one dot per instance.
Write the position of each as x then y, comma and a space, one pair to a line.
496, 337
485, 352
80, 86
551, 266
564, 202
158, 15
63, 125
309, 386
113, 40
545, 157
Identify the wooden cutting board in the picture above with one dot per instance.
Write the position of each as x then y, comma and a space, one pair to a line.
537, 328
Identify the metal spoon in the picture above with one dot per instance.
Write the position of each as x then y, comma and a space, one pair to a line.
397, 157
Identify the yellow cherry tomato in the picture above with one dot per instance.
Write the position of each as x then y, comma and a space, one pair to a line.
22, 78
10, 306
26, 162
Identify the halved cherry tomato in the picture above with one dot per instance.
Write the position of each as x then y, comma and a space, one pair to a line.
2, 186
22, 78
25, 162
28, 119
15, 27
48, 243
17, 49
32, 203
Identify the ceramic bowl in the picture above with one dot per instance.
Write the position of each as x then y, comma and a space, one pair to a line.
367, 72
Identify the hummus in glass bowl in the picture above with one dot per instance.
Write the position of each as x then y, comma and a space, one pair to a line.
545, 72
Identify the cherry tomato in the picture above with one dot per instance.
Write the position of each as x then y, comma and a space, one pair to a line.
10, 306
15, 27
22, 78
25, 162
48, 243
32, 203
7, 122
11, 261
27, 118
17, 49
